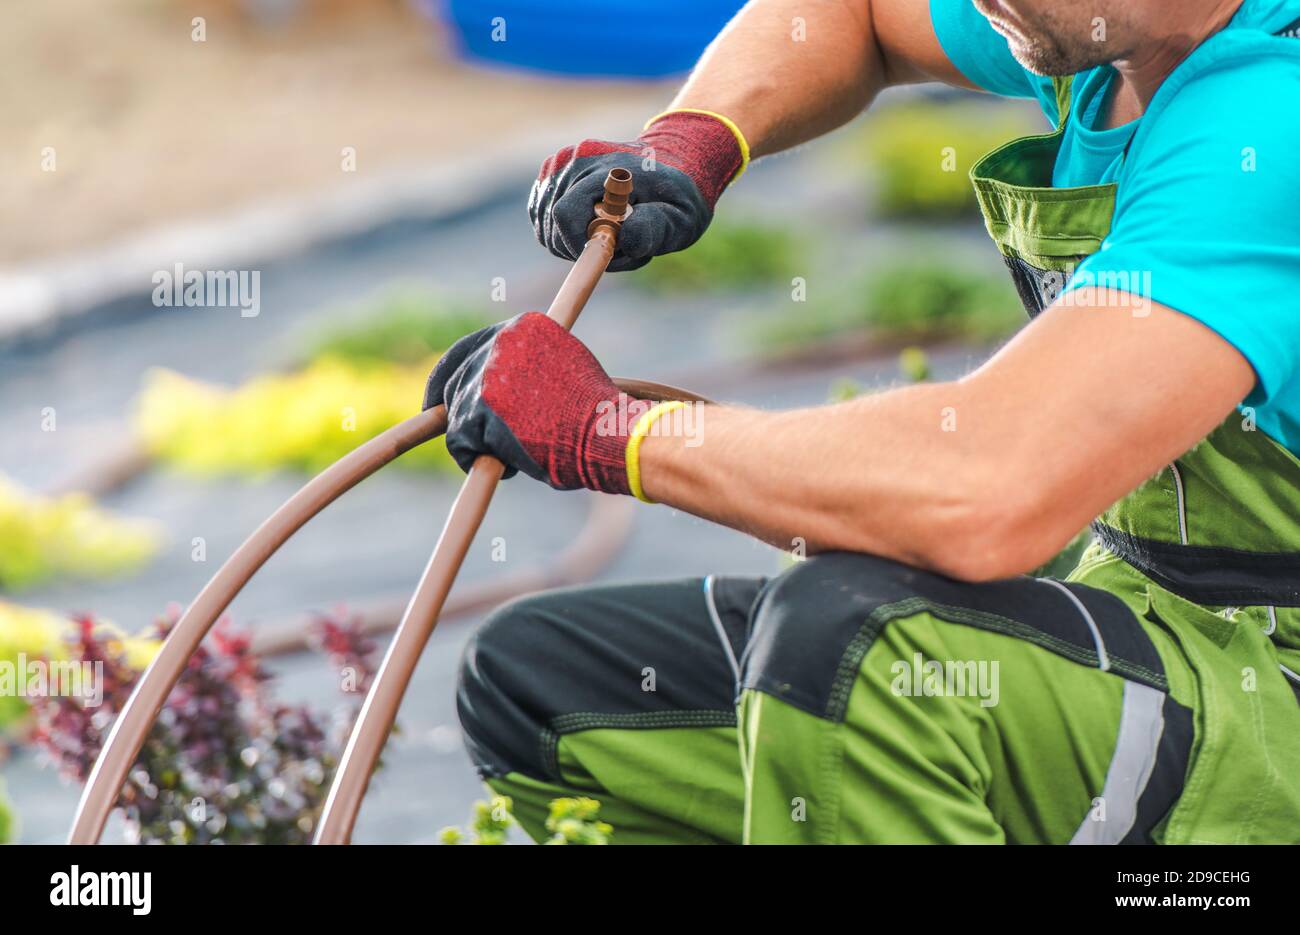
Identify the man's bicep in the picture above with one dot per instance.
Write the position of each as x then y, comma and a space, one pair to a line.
1099, 393
911, 50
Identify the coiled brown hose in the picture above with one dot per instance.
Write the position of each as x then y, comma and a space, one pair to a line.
375, 720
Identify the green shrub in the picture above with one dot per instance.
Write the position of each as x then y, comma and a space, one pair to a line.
800, 326
571, 821
490, 823
729, 256
912, 301
577, 821
921, 153
407, 326
928, 301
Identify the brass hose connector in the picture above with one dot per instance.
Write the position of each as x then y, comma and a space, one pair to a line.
613, 208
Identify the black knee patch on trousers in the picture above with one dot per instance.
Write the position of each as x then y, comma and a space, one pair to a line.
584, 658
813, 624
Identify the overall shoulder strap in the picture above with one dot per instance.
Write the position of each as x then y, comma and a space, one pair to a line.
1062, 88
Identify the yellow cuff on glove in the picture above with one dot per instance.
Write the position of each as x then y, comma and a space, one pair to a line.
633, 452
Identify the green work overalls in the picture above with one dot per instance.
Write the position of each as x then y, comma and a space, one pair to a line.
1207, 554
1145, 698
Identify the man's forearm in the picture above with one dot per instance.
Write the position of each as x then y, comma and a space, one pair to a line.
983, 477
886, 474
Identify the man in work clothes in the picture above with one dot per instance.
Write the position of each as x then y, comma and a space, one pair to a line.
1149, 697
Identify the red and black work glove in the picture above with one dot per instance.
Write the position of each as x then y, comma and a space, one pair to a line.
681, 162
532, 395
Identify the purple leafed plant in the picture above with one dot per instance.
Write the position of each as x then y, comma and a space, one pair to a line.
225, 762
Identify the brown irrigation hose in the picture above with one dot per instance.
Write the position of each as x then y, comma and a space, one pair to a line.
123, 744
129, 730
150, 693
608, 525
604, 533
378, 712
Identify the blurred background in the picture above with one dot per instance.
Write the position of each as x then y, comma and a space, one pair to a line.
363, 165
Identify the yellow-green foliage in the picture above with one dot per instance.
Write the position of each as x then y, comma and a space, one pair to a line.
37, 633
577, 821
730, 255
42, 537
361, 379
914, 363
490, 823
32, 632
571, 821
921, 152
305, 420
8, 820
844, 389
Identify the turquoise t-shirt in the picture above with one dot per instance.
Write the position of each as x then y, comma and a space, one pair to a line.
1207, 213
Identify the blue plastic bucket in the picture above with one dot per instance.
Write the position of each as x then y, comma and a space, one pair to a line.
611, 38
